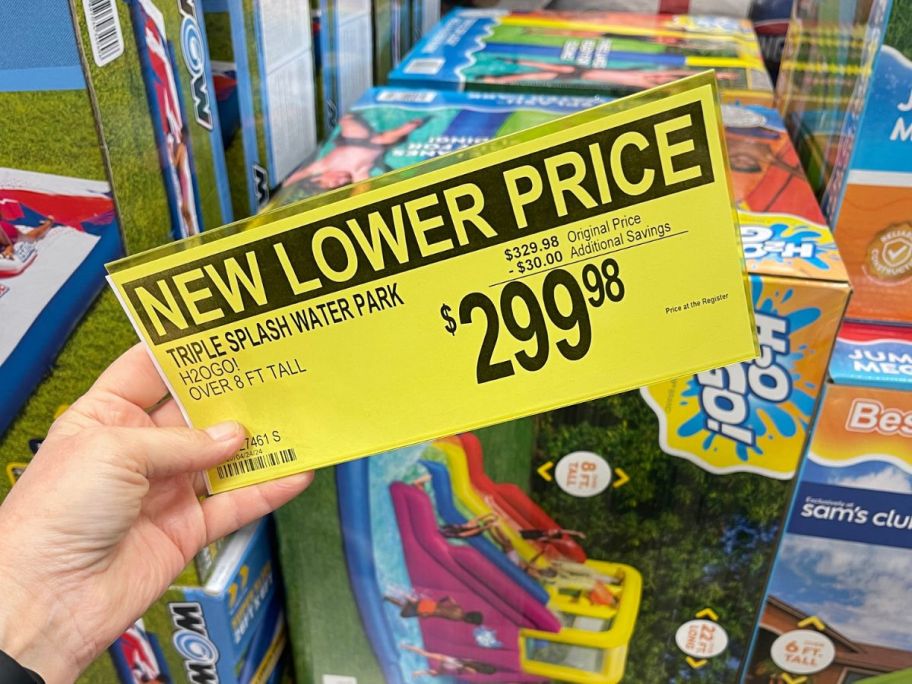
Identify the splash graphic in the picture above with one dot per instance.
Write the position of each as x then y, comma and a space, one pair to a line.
787, 244
751, 416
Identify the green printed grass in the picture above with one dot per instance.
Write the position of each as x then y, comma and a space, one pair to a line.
127, 127
508, 449
101, 336
698, 539
899, 30
50, 132
326, 632
135, 170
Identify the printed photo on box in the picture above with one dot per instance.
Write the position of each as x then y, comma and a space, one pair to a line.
622, 540
584, 53
154, 99
171, 133
58, 222
837, 604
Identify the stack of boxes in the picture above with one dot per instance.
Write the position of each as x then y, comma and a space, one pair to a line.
111, 142
205, 112
845, 91
835, 607
700, 469
262, 53
608, 53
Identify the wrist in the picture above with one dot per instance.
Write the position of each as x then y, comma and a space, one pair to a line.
34, 632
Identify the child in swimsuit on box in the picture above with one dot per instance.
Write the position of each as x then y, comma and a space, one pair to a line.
356, 150
550, 535
470, 528
416, 606
632, 78
568, 574
441, 665
10, 234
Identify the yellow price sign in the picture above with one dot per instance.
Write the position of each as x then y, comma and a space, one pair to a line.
591, 255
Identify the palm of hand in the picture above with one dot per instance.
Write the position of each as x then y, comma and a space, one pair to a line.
117, 483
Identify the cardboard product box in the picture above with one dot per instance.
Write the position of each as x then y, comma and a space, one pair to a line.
868, 196
821, 62
766, 173
587, 543
771, 22
389, 128
425, 15
770, 17
585, 53
94, 160
403, 14
385, 39
263, 58
227, 628
398, 25
147, 70
873, 356
837, 608
58, 222
346, 34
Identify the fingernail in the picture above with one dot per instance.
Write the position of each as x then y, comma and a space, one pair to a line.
222, 432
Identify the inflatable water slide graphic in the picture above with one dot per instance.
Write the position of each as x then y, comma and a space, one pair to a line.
461, 579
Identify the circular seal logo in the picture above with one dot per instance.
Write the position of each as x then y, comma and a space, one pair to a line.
890, 253
803, 651
701, 638
583, 474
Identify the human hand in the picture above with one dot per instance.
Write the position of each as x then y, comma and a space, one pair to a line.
108, 513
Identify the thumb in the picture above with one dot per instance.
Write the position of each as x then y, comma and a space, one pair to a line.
162, 452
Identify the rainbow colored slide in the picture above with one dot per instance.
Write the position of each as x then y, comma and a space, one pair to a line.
452, 587
515, 504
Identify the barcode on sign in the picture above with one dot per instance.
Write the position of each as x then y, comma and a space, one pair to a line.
421, 96
427, 66
105, 33
254, 463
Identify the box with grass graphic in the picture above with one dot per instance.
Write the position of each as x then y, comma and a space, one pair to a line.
148, 72
585, 53
837, 608
110, 143
622, 540
389, 129
228, 626
58, 222
263, 61
392, 128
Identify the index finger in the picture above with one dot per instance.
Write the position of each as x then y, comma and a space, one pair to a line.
133, 377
